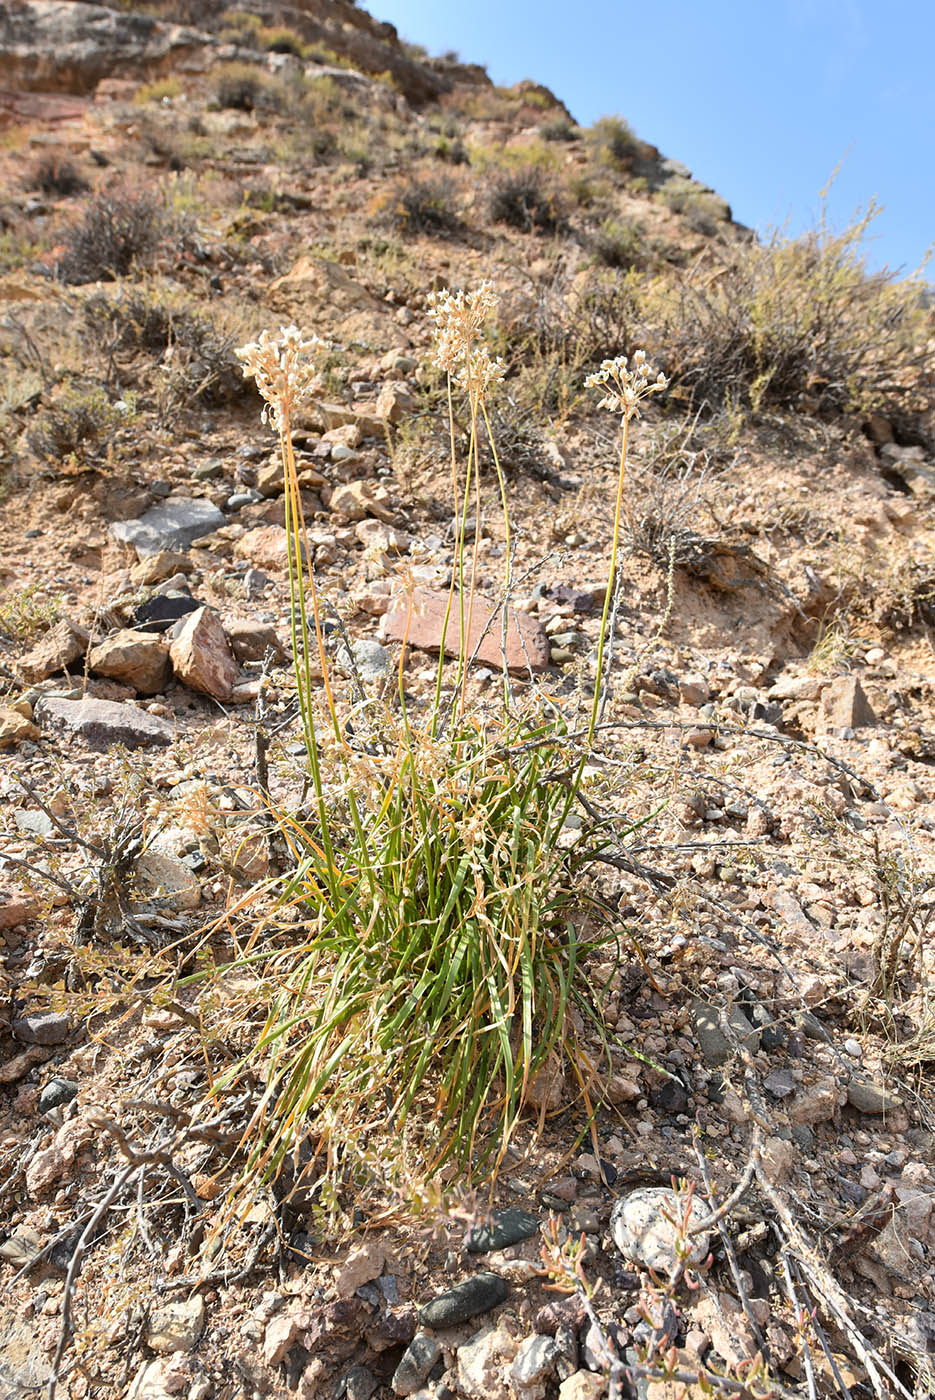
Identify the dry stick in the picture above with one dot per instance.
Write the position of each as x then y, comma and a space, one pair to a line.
830, 1294
221, 1275
823, 1342
800, 1314
62, 883
260, 733
74, 1266
717, 1218
618, 1371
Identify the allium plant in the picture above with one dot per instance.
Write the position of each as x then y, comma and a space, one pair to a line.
435, 898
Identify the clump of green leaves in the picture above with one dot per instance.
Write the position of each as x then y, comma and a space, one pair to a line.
442, 924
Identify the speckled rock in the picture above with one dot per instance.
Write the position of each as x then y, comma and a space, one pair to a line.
644, 1229
871, 1098
415, 1363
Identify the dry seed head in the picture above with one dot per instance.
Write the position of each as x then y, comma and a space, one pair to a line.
459, 322
282, 367
628, 386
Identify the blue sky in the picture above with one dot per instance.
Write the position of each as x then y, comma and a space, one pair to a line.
760, 98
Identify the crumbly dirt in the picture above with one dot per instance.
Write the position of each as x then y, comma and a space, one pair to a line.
771, 855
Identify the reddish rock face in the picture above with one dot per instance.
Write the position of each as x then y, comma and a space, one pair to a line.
527, 646
266, 548
201, 656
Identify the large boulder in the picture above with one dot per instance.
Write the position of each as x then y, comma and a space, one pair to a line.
62, 646
102, 723
70, 46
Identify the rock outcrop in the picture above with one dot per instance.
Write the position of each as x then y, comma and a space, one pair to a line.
69, 46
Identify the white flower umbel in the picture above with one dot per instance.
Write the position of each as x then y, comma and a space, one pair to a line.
628, 387
459, 322
283, 367
459, 350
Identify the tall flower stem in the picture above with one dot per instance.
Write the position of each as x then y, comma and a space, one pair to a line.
611, 579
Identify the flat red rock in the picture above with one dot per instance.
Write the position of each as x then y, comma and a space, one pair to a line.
527, 646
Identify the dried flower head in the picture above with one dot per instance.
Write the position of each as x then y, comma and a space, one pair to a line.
627, 386
283, 368
459, 322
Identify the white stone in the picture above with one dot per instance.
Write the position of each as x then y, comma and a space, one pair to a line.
645, 1228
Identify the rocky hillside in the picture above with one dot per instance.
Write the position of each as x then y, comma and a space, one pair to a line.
720, 1176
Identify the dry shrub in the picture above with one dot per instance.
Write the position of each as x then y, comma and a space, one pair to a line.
619, 245
421, 206
241, 88
117, 233
57, 177
524, 200
796, 323
77, 424
198, 357
613, 142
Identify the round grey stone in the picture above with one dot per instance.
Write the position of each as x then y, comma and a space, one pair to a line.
471, 1296
504, 1228
57, 1093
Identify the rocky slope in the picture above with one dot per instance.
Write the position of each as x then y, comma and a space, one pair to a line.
176, 181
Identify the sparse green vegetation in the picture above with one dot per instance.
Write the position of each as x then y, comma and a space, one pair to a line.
420, 206
613, 142
525, 200
162, 89
27, 612
242, 88
619, 245
561, 129
281, 41
77, 423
